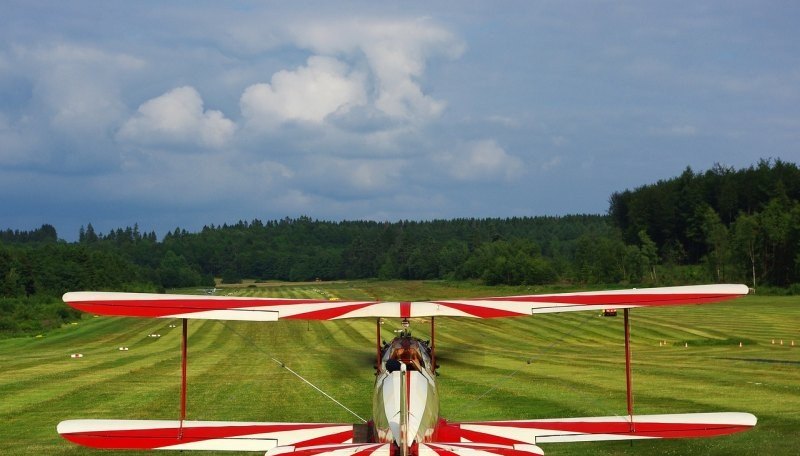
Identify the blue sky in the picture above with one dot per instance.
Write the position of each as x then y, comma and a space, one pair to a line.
115, 113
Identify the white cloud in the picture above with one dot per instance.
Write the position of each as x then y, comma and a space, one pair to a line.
482, 160
396, 52
177, 117
309, 94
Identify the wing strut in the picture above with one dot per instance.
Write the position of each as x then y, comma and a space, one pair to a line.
378, 345
183, 375
628, 379
433, 346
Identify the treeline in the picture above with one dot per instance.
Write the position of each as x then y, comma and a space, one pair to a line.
514, 250
739, 225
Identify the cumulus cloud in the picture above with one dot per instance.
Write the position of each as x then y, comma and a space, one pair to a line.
177, 117
396, 52
310, 93
364, 76
482, 160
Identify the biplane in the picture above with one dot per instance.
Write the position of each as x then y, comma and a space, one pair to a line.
405, 412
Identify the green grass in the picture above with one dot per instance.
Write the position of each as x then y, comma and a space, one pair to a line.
556, 365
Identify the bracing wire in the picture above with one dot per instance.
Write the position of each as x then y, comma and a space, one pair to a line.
578, 324
283, 365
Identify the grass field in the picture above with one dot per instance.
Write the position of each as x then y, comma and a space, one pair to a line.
556, 365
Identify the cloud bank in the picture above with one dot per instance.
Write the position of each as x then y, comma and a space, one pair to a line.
114, 115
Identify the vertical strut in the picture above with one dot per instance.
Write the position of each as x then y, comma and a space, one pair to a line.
433, 346
378, 345
628, 379
183, 374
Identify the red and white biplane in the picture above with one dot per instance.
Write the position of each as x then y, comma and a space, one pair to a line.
405, 418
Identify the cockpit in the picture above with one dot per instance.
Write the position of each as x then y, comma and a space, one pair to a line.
412, 352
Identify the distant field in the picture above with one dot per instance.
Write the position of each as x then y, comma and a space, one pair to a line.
529, 367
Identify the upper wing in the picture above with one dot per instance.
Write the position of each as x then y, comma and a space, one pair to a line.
272, 309
600, 428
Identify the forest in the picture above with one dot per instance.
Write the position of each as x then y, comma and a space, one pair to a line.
721, 225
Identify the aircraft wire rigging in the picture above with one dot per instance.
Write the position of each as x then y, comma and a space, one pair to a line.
528, 361
283, 365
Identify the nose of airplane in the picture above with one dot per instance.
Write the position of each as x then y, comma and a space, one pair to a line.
405, 396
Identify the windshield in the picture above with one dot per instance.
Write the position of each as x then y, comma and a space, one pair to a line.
411, 352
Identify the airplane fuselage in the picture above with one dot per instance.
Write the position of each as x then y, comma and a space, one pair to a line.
405, 407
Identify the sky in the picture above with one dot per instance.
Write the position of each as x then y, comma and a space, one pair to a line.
191, 113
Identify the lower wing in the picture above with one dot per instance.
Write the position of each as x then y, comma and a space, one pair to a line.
201, 435
299, 439
599, 428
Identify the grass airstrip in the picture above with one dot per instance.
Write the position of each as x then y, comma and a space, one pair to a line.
686, 359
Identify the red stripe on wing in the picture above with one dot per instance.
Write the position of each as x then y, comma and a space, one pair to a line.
482, 437
329, 313
326, 439
163, 437
441, 451
155, 308
405, 309
641, 429
366, 449
501, 450
644, 299
480, 311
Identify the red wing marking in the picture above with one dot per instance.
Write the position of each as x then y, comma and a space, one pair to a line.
165, 307
439, 450
603, 428
122, 434
330, 313
326, 439
483, 437
457, 449
643, 299
656, 430
358, 449
405, 309
482, 311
